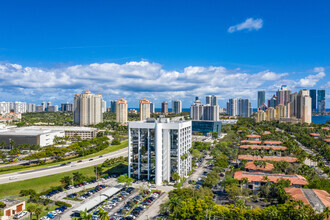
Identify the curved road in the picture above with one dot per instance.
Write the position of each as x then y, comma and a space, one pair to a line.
30, 174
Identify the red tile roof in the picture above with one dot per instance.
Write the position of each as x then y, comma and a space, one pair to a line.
325, 128
327, 140
269, 158
251, 141
262, 146
266, 132
251, 166
314, 134
298, 194
253, 136
259, 177
272, 142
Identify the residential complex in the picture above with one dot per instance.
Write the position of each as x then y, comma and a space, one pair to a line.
176, 106
321, 101
239, 107
158, 149
296, 108
87, 109
144, 109
207, 112
67, 107
165, 107
121, 110
261, 98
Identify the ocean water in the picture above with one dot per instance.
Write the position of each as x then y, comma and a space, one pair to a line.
320, 119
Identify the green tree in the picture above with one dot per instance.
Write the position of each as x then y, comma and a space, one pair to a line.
125, 179
66, 180
31, 209
38, 211
175, 176
85, 216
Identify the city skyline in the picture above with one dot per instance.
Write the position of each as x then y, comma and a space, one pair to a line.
229, 50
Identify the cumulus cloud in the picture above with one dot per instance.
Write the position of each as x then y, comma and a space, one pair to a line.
249, 24
134, 80
311, 80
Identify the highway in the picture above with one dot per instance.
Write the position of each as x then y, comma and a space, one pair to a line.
46, 171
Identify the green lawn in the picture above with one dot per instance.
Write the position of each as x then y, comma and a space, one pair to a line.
42, 183
109, 149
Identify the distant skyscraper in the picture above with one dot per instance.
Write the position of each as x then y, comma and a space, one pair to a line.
306, 106
272, 102
204, 112
113, 106
152, 107
67, 107
176, 106
52, 108
4, 107
261, 98
283, 95
164, 107
244, 106
196, 98
144, 109
121, 110
312, 94
31, 107
20, 107
87, 109
39, 108
232, 107
321, 101
208, 100
239, 107
48, 104
44, 106
104, 106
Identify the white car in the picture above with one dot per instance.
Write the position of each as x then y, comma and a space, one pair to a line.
44, 218
53, 213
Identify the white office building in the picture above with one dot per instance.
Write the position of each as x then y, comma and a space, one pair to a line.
158, 149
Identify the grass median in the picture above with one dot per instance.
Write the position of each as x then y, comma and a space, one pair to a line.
41, 184
110, 149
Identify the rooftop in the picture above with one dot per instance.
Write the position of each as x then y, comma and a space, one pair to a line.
26, 131
10, 202
259, 177
269, 158
266, 132
314, 134
252, 166
65, 128
267, 147
318, 199
253, 136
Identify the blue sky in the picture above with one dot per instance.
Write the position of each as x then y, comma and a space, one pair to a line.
161, 49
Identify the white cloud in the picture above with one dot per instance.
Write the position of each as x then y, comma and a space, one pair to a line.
318, 69
311, 80
132, 80
249, 24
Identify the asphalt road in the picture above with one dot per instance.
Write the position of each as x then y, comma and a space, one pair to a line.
24, 175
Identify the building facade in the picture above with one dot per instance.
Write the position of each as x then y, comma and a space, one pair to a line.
121, 110
165, 107
152, 107
206, 127
88, 109
261, 98
159, 148
113, 106
176, 106
144, 109
312, 94
321, 101
67, 107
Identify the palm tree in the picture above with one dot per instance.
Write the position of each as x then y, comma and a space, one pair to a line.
244, 180
3, 144
85, 216
31, 209
66, 180
39, 211
175, 176
12, 143
103, 215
